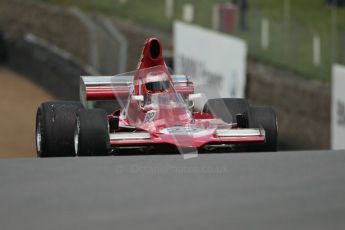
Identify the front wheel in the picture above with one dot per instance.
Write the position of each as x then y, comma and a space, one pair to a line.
91, 136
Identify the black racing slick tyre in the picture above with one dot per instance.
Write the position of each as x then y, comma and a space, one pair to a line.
227, 108
55, 122
265, 117
91, 137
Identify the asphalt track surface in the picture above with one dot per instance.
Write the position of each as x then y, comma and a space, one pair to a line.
284, 190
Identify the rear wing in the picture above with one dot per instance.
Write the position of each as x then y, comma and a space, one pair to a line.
96, 88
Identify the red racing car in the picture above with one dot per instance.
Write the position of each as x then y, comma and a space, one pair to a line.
157, 114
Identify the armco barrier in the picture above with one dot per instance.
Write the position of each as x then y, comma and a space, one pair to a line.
46, 65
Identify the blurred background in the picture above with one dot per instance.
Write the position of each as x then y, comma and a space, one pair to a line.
294, 51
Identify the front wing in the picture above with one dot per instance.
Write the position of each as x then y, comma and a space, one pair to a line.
219, 137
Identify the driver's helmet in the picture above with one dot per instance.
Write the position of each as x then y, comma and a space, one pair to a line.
156, 82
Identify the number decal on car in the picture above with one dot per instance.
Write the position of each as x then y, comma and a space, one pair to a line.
150, 116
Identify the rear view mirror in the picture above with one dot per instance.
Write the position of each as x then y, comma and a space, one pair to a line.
138, 97
194, 96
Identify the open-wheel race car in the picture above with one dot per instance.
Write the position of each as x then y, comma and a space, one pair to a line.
155, 114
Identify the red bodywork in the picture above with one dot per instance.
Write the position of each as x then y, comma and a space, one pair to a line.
166, 118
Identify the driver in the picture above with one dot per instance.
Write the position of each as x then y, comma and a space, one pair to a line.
155, 82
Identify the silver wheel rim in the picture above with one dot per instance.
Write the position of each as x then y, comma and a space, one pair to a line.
38, 136
76, 137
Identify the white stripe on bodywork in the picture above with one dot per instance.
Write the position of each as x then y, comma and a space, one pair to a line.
131, 136
238, 132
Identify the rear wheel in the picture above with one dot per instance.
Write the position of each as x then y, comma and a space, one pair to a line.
257, 117
55, 122
228, 108
91, 136
266, 118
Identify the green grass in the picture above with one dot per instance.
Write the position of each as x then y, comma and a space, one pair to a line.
145, 12
290, 41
